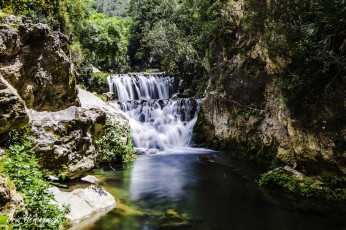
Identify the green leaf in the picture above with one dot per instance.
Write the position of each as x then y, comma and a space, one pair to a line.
3, 220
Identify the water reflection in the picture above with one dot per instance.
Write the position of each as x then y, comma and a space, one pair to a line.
210, 195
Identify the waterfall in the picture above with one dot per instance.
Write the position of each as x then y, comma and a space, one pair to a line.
142, 87
158, 122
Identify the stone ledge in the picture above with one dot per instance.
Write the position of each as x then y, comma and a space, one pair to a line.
85, 199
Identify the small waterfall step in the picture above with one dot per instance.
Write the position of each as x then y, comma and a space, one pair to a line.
158, 122
142, 86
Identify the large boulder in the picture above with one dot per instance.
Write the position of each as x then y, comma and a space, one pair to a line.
13, 112
85, 199
34, 61
89, 100
65, 140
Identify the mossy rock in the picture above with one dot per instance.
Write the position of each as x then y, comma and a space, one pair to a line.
171, 219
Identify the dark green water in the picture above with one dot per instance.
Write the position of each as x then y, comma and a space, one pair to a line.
211, 195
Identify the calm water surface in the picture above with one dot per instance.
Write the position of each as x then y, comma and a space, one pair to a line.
211, 195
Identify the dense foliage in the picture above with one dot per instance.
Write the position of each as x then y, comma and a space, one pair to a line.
48, 11
112, 145
112, 8
186, 38
331, 189
318, 60
95, 82
99, 40
176, 35
310, 36
22, 168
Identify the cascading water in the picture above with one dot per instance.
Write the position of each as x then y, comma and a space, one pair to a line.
157, 122
142, 87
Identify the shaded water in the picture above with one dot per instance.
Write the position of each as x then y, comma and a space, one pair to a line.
210, 195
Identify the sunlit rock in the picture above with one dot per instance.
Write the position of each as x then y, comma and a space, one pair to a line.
13, 112
85, 199
34, 60
65, 140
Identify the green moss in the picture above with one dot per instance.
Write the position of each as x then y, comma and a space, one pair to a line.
18, 136
115, 150
201, 87
203, 133
94, 82
2, 14
241, 114
260, 154
330, 189
171, 219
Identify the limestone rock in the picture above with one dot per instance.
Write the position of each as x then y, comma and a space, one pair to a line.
65, 140
108, 96
89, 100
91, 179
270, 130
33, 60
85, 200
13, 112
290, 171
10, 199
244, 106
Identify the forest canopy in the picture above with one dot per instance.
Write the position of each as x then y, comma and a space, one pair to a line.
187, 37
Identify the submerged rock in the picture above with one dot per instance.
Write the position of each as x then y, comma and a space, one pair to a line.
13, 112
65, 140
85, 199
171, 219
206, 157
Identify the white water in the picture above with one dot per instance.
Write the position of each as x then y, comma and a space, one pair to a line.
157, 123
140, 86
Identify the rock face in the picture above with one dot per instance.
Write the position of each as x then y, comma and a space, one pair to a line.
244, 108
267, 127
65, 140
33, 61
13, 112
85, 199
89, 100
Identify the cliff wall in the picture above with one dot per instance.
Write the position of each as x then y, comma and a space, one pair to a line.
246, 111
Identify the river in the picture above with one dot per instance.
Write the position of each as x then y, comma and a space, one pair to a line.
209, 195
219, 193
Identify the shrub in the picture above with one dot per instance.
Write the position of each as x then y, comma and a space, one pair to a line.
114, 148
39, 211
331, 189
